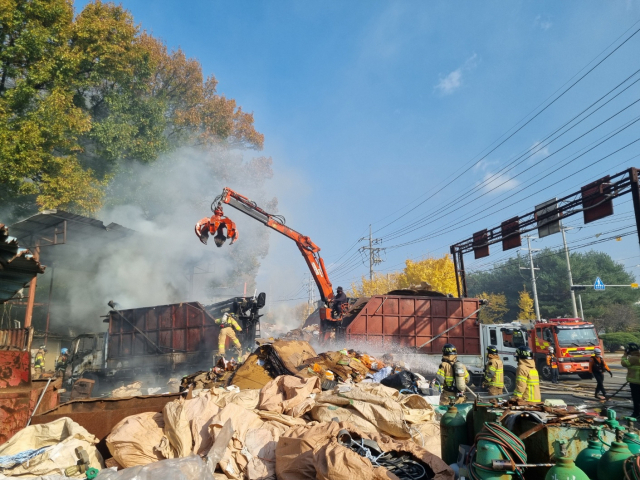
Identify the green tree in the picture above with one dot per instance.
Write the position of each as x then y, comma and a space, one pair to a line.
81, 96
554, 294
618, 318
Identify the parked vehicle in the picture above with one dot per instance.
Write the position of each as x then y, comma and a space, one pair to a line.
573, 340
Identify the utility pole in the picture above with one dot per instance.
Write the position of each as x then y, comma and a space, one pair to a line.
374, 252
311, 298
566, 252
370, 254
533, 277
581, 311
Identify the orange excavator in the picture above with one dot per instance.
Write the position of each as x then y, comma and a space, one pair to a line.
218, 223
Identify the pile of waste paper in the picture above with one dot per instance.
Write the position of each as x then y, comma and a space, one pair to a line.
287, 413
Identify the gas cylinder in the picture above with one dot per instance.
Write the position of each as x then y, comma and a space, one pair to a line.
611, 463
587, 459
453, 432
566, 469
630, 437
486, 452
633, 442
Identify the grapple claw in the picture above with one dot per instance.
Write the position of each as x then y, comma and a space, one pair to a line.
216, 226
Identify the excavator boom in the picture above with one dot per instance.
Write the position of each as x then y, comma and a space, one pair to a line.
310, 251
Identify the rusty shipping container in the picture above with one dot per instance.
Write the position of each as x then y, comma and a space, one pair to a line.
172, 334
411, 321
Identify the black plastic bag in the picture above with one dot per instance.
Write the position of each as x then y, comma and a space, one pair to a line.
404, 380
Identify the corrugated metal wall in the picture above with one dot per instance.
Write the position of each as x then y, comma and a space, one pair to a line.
390, 320
184, 327
16, 338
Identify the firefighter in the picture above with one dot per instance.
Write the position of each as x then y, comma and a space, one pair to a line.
61, 362
38, 363
493, 372
452, 376
227, 324
631, 361
527, 378
552, 361
598, 367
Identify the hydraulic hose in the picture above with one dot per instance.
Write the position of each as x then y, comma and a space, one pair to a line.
509, 445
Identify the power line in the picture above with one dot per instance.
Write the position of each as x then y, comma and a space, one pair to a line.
441, 214
349, 266
441, 232
526, 123
560, 252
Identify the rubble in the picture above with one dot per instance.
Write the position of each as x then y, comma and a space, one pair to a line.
290, 413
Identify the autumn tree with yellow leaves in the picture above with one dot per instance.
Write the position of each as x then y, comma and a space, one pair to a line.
433, 273
495, 309
525, 304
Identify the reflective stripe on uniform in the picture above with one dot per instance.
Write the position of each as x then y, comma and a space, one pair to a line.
532, 381
496, 378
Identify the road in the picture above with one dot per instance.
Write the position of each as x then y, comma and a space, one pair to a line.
575, 391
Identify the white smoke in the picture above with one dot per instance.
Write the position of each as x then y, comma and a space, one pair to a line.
161, 202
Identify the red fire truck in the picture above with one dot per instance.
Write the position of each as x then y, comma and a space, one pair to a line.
573, 340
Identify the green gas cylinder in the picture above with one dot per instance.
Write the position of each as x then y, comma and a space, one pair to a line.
486, 452
565, 469
630, 437
611, 463
453, 432
633, 442
587, 459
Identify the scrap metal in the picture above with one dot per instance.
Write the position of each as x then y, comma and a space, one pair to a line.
18, 266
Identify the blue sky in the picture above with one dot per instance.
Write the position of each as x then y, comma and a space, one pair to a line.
367, 106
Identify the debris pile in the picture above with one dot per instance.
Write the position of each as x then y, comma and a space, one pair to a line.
273, 426
286, 412
297, 357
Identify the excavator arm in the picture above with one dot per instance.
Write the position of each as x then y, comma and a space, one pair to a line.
310, 251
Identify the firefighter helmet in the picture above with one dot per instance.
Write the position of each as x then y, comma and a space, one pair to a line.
524, 353
633, 347
491, 350
597, 351
551, 349
64, 351
449, 349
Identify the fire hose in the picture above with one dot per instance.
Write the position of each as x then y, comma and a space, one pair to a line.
509, 445
632, 468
